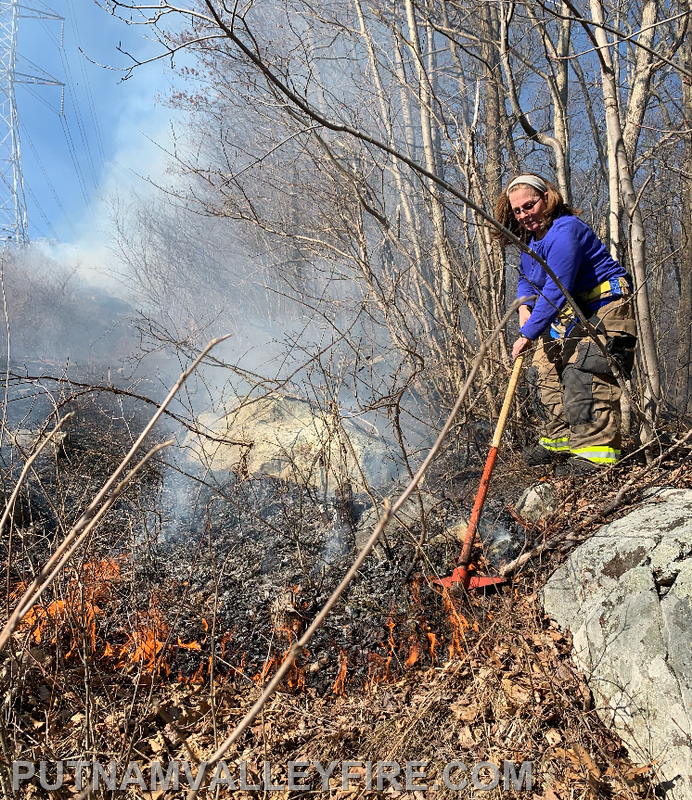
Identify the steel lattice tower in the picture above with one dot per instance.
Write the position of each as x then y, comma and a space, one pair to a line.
13, 222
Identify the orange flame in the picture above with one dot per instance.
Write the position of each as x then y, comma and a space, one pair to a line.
433, 645
198, 677
146, 641
340, 681
296, 676
391, 625
458, 622
81, 597
413, 653
189, 645
266, 667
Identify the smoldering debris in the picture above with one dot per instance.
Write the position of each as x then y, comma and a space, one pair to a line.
190, 546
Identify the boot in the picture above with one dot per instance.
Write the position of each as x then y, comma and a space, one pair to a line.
537, 456
577, 466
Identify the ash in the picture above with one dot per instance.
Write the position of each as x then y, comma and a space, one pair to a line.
239, 565
261, 556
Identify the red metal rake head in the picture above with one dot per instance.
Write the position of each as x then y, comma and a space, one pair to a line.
462, 578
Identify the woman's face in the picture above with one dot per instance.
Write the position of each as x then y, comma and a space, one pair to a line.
528, 207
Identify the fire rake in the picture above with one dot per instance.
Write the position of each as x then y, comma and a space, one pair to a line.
461, 575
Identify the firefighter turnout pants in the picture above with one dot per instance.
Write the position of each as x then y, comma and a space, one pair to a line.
578, 390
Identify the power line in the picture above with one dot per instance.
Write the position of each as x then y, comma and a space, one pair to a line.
78, 114
41, 212
64, 122
25, 134
87, 84
73, 155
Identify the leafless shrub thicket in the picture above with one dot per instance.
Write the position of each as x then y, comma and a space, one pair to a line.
325, 139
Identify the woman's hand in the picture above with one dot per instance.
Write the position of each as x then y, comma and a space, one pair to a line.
524, 314
521, 344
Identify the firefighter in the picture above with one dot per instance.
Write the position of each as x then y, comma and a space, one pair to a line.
578, 391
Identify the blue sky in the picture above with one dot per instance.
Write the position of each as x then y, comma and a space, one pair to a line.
101, 146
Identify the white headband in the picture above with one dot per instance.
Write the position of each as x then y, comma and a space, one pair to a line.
530, 180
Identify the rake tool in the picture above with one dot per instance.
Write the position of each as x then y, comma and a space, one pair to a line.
461, 575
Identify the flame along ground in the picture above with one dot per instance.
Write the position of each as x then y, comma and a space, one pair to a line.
144, 641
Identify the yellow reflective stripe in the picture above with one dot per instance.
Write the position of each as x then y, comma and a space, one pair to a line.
597, 291
565, 316
555, 444
599, 455
602, 289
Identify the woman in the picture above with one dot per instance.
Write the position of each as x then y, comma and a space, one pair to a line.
577, 387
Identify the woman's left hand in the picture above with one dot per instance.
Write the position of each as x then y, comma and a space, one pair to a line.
521, 344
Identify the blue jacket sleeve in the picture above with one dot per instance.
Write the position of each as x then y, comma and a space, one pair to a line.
563, 254
524, 288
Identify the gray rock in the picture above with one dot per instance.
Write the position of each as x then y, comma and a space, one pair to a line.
452, 535
537, 502
290, 438
626, 596
23, 438
27, 440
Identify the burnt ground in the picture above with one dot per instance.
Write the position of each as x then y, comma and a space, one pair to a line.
189, 594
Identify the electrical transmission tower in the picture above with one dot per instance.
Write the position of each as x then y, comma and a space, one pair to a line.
13, 219
13, 224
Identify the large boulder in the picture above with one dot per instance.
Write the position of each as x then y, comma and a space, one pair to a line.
289, 438
626, 596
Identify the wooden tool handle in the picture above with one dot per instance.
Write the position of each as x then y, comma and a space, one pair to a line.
489, 466
504, 412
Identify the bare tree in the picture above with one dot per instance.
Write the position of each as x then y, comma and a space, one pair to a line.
683, 387
356, 140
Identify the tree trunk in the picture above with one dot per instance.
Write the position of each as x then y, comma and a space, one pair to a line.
529, 130
430, 159
647, 342
640, 93
683, 383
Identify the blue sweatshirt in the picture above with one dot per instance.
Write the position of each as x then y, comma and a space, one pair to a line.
579, 259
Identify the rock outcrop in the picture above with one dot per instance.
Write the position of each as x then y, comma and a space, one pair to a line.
289, 438
626, 596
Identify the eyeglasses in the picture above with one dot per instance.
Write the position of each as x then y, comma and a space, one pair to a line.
526, 207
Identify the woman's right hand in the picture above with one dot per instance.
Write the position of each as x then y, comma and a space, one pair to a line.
521, 344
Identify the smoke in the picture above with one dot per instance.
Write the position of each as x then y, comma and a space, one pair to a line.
54, 315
